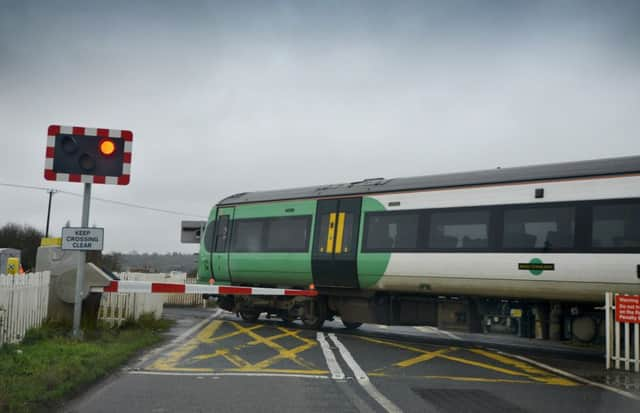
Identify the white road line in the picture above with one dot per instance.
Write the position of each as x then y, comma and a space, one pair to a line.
451, 335
362, 377
570, 375
434, 330
182, 337
207, 374
334, 367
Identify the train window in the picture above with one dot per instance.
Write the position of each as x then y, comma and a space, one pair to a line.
209, 236
222, 233
288, 234
391, 231
616, 226
247, 235
545, 228
459, 230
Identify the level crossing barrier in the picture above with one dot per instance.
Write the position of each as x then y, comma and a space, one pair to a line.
622, 326
185, 299
24, 301
118, 306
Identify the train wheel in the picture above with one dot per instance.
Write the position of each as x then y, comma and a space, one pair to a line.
349, 325
250, 316
314, 314
287, 318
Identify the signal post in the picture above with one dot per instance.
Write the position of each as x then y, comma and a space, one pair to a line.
89, 156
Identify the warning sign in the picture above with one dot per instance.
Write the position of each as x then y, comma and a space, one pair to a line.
82, 239
628, 308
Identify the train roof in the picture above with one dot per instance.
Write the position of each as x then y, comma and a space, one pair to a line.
566, 170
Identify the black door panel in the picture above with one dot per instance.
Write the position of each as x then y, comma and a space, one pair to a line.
334, 258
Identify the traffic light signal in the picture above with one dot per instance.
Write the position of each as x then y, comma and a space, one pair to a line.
77, 154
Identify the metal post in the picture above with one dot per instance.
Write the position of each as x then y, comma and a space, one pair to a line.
46, 234
77, 306
607, 321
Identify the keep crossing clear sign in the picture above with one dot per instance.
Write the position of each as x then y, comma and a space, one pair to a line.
82, 239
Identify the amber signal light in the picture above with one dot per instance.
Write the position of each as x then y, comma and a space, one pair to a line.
107, 147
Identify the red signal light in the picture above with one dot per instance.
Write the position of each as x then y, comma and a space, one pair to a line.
107, 147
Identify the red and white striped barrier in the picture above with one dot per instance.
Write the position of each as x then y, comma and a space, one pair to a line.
177, 288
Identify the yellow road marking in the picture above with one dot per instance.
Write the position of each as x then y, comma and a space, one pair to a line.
340, 232
454, 378
241, 330
207, 336
171, 360
283, 353
540, 375
527, 370
285, 371
424, 357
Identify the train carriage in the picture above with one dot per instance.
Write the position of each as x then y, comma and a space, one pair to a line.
425, 250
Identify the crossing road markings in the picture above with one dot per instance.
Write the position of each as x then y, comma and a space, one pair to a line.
176, 360
334, 366
524, 370
363, 379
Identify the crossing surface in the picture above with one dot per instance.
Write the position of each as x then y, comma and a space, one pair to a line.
224, 364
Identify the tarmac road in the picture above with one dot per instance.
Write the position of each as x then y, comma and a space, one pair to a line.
217, 362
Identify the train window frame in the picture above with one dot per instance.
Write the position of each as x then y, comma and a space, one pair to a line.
219, 225
266, 223
307, 219
582, 231
610, 250
542, 206
368, 216
458, 210
209, 239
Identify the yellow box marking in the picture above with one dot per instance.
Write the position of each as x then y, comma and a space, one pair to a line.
455, 378
524, 370
170, 362
534, 372
340, 234
207, 336
331, 232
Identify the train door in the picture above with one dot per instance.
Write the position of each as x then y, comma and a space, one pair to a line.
220, 254
333, 261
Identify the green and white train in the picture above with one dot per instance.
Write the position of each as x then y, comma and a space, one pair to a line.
467, 249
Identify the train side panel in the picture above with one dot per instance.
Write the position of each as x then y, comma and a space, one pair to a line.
271, 268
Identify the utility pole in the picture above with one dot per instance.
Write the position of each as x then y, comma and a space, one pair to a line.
51, 191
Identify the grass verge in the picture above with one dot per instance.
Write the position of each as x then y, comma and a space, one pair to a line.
49, 366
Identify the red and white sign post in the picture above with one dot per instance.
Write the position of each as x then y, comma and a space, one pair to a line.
622, 314
89, 156
628, 308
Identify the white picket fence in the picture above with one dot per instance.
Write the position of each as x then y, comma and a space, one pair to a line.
619, 339
115, 308
24, 300
185, 299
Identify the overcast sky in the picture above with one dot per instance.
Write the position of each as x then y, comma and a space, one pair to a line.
226, 97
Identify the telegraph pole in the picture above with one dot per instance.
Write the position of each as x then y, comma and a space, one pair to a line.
51, 191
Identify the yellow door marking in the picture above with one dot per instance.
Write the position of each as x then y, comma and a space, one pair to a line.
340, 234
170, 362
331, 232
528, 371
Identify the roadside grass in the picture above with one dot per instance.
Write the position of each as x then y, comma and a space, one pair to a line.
49, 366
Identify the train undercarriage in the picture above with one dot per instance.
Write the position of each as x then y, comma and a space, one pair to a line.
531, 319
